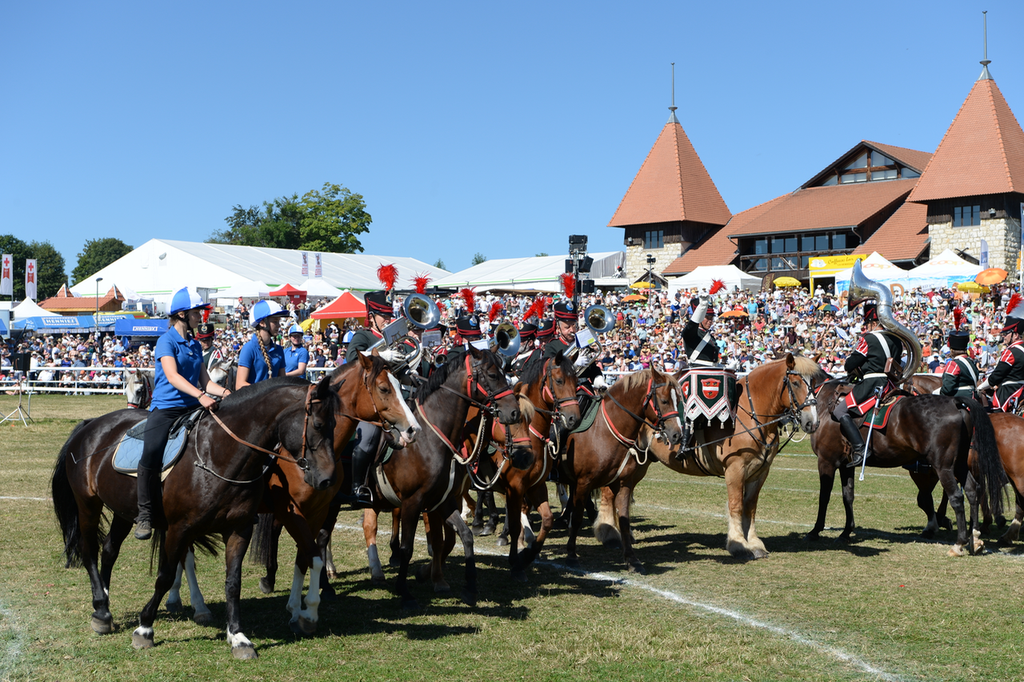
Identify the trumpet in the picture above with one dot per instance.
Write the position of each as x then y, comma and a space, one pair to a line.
506, 340
863, 289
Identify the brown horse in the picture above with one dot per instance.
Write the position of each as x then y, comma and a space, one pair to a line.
302, 509
213, 491
741, 453
605, 454
1009, 431
428, 475
938, 430
548, 389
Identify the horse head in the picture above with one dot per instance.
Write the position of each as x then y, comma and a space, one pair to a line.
313, 444
138, 389
663, 402
797, 394
385, 400
487, 384
560, 384
220, 370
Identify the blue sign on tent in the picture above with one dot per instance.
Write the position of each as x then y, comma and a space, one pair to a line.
135, 327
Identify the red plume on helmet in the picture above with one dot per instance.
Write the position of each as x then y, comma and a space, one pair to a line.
958, 317
716, 286
535, 310
1015, 308
387, 274
493, 312
568, 283
469, 297
421, 282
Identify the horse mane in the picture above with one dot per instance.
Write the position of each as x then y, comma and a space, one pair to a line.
261, 388
527, 407
534, 368
376, 367
455, 360
810, 370
631, 381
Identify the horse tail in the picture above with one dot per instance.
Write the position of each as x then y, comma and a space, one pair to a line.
990, 464
262, 540
65, 506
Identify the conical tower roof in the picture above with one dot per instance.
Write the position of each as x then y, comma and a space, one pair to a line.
981, 153
671, 186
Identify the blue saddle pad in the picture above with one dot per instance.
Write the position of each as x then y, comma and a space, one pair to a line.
129, 449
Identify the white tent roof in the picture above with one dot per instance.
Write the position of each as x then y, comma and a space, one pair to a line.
162, 266
947, 264
318, 287
28, 308
536, 273
244, 290
703, 275
875, 267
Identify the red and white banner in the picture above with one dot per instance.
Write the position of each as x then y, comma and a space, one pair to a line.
7, 275
305, 264
319, 272
30, 278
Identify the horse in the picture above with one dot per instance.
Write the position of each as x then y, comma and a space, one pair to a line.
742, 453
289, 502
428, 475
138, 388
938, 430
1009, 430
213, 490
223, 372
603, 454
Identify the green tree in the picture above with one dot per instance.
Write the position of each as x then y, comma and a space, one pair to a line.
20, 251
50, 275
479, 258
440, 264
96, 255
327, 220
539, 255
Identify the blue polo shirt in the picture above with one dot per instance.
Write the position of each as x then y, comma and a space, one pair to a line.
188, 355
294, 356
252, 357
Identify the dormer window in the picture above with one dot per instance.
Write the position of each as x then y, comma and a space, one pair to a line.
866, 166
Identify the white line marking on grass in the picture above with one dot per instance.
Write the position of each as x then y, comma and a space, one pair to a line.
672, 596
13, 650
33, 499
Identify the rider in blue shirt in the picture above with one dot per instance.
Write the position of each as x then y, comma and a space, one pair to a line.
261, 358
178, 384
296, 357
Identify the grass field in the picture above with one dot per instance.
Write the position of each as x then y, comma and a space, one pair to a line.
887, 606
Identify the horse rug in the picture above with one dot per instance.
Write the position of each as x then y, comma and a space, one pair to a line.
709, 392
129, 448
877, 419
587, 419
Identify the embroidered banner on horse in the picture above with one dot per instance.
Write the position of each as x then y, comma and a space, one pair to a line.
710, 393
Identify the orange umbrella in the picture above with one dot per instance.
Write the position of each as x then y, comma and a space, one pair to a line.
990, 276
734, 313
633, 297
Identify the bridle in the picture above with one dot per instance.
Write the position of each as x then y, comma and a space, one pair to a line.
649, 400
549, 396
143, 392
790, 414
489, 404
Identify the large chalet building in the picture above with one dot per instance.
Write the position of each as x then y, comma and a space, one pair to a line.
903, 203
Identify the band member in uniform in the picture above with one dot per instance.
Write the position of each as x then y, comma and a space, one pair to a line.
527, 346
873, 357
545, 332
1008, 376
296, 357
698, 342
960, 377
204, 335
261, 358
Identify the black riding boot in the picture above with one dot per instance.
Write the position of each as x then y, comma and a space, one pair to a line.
361, 461
148, 487
685, 442
852, 434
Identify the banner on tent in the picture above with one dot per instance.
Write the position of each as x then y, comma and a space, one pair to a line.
30, 278
7, 275
319, 268
305, 264
983, 261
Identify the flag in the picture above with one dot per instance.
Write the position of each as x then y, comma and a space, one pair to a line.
30, 278
305, 264
7, 275
319, 272
983, 261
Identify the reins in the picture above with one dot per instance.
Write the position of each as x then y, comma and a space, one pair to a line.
649, 399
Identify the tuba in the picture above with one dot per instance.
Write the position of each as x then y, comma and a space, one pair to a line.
506, 340
599, 320
864, 289
421, 311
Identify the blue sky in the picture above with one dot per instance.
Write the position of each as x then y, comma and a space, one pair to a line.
497, 128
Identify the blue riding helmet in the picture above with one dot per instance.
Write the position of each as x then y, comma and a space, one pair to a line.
295, 329
186, 299
264, 309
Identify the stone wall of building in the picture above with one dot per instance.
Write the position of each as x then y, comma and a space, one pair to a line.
1002, 235
636, 259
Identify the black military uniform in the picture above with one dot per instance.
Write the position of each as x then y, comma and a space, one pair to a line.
960, 376
203, 332
1008, 375
698, 344
585, 390
527, 347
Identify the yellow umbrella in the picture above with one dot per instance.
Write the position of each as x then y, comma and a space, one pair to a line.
641, 285
787, 282
972, 287
307, 323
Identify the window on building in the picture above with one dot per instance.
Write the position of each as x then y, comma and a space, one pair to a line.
881, 160
859, 162
853, 177
821, 242
761, 265
778, 245
654, 239
909, 173
838, 241
761, 246
791, 245
807, 243
964, 216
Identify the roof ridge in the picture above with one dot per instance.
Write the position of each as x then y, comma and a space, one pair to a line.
924, 171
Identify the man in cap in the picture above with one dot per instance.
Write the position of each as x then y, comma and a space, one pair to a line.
527, 343
960, 377
204, 335
591, 379
1008, 376
872, 359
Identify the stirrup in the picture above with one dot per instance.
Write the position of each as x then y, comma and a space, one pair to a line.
856, 460
143, 530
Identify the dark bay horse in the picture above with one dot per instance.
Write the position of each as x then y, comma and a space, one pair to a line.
374, 396
212, 492
741, 453
605, 454
939, 430
428, 475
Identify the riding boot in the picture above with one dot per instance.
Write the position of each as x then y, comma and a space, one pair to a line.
685, 442
852, 434
146, 488
361, 493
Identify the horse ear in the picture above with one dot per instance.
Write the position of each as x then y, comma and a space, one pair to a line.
323, 388
790, 362
559, 357
475, 352
366, 361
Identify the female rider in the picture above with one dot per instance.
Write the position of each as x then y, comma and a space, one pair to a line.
261, 358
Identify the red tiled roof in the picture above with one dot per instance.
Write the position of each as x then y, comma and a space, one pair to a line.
908, 157
672, 185
65, 300
718, 249
903, 236
982, 152
817, 208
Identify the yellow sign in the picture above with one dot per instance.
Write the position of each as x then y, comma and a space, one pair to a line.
826, 266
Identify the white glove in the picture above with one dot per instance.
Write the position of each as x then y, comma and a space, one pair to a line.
983, 386
582, 361
388, 355
701, 311
599, 383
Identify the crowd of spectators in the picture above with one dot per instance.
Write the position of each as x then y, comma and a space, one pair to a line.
750, 328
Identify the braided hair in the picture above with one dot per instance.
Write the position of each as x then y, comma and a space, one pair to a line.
263, 350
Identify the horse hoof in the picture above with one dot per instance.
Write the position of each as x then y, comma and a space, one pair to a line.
612, 543
572, 562
394, 561
945, 524
204, 618
303, 627
327, 594
844, 538
377, 577
244, 653
812, 536
422, 573
469, 598
442, 588
142, 640
478, 530
928, 533
955, 551
519, 575
488, 529
502, 541
635, 567
102, 626
173, 607
266, 586
759, 553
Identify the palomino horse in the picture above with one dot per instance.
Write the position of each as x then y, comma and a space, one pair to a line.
213, 490
603, 455
427, 475
302, 509
936, 429
548, 389
741, 453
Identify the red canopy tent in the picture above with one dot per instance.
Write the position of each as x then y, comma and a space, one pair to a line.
293, 294
346, 305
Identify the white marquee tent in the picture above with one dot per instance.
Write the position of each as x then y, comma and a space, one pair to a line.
702, 277
536, 273
947, 266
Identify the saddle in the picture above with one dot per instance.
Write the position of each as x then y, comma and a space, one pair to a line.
878, 418
129, 448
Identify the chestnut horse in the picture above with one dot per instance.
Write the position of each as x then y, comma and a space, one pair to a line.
605, 455
772, 394
936, 429
213, 490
